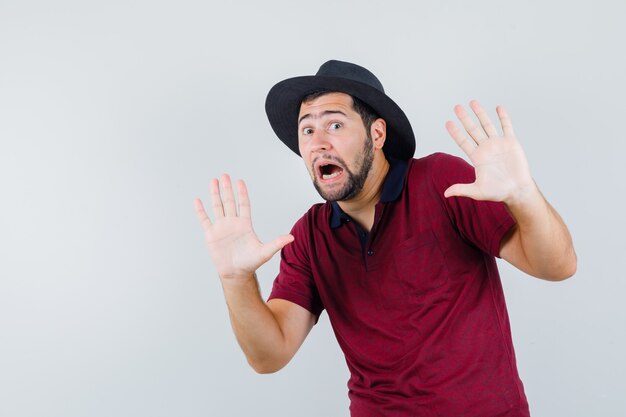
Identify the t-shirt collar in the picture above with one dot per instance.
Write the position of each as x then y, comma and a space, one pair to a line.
392, 188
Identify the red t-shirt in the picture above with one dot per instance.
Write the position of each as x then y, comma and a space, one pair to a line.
418, 307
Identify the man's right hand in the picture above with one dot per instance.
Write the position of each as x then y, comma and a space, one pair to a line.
269, 333
233, 245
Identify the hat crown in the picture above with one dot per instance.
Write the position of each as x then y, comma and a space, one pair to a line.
347, 70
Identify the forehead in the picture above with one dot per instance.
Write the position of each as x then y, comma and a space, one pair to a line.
340, 101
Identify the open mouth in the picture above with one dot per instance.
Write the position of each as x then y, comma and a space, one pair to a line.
329, 171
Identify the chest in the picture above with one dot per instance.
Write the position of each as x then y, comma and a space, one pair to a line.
400, 263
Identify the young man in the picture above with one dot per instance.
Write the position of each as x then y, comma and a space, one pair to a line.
401, 255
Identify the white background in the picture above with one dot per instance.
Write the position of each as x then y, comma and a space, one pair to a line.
115, 115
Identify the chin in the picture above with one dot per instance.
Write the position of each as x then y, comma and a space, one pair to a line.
344, 193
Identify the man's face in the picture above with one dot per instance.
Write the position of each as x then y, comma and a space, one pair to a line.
335, 146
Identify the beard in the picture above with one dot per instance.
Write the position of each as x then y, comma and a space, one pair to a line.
355, 180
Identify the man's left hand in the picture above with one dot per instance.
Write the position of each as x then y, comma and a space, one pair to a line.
502, 172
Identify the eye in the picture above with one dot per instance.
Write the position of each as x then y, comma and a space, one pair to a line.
335, 126
307, 131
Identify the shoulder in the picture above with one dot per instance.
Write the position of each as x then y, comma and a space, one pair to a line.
439, 161
306, 231
441, 170
318, 214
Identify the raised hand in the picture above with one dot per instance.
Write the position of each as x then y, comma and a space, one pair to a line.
502, 172
233, 245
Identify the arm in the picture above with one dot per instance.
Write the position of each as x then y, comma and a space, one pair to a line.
269, 333
540, 243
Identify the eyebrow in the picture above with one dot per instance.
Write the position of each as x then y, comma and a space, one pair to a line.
325, 113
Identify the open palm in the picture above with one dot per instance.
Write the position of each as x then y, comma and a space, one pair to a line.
501, 166
233, 245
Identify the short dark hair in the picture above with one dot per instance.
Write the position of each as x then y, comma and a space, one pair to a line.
368, 115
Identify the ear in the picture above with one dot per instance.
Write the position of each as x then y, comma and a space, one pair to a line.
379, 133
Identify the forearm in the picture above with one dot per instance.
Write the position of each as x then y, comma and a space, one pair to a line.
255, 326
543, 237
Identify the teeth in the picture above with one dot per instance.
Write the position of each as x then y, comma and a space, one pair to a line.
329, 176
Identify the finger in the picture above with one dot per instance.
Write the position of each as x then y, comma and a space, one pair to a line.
505, 120
216, 199
228, 197
270, 249
244, 200
474, 131
483, 118
462, 190
201, 213
468, 146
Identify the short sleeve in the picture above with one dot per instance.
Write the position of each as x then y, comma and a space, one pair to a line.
295, 281
483, 223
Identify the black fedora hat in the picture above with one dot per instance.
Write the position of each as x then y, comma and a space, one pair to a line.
282, 104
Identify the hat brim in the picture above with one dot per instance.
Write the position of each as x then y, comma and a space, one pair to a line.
282, 106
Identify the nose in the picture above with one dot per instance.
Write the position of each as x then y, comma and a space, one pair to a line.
319, 141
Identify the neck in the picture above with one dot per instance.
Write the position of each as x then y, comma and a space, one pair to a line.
362, 207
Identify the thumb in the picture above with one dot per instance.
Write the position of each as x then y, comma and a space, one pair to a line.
270, 249
461, 190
